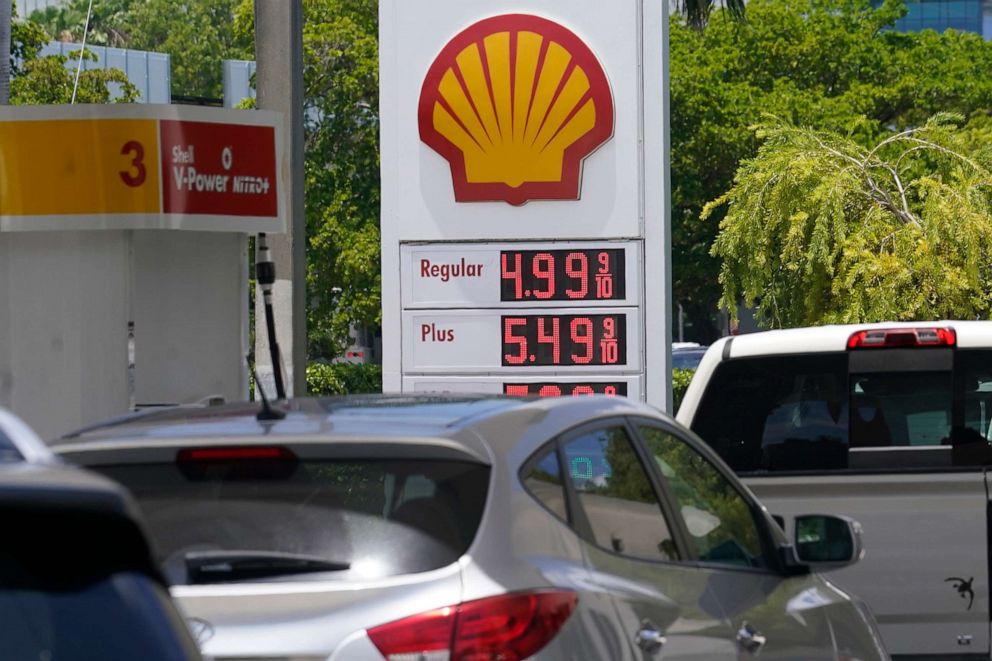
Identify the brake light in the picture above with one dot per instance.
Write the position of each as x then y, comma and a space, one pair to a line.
902, 337
509, 627
188, 455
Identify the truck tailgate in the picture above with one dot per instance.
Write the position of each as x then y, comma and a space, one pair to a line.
925, 571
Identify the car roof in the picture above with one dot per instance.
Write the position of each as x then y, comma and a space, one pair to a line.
970, 334
62, 487
681, 346
465, 421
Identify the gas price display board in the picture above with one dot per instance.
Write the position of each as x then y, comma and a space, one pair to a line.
547, 319
525, 207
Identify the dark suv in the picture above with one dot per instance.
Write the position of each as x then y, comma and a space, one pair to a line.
77, 580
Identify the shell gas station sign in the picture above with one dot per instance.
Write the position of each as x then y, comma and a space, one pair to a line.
514, 103
524, 215
140, 167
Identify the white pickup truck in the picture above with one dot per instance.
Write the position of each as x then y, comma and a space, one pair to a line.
889, 424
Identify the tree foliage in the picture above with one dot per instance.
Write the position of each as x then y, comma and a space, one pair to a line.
341, 114
820, 229
47, 80
341, 74
343, 378
197, 34
830, 64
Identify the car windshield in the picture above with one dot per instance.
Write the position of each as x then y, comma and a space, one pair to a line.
290, 519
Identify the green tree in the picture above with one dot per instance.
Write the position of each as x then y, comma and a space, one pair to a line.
67, 21
47, 80
820, 229
197, 34
820, 63
696, 13
341, 73
341, 90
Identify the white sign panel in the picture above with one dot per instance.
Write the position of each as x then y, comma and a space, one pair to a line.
520, 274
567, 340
451, 186
524, 191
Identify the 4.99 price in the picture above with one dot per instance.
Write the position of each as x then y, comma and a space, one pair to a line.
567, 339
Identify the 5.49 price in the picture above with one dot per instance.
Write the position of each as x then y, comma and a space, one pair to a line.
564, 339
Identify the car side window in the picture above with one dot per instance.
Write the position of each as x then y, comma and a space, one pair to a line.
719, 519
543, 480
616, 495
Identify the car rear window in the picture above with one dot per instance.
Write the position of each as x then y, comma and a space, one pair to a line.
901, 408
287, 519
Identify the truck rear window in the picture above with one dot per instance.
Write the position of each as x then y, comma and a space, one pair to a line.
817, 412
285, 520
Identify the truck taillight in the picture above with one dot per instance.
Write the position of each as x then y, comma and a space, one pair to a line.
902, 337
508, 627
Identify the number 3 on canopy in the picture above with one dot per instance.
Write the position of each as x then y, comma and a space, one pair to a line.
136, 175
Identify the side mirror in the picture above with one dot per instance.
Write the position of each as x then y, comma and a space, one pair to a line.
825, 541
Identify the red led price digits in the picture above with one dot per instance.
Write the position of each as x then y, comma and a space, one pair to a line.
581, 328
562, 275
510, 337
577, 268
513, 274
554, 338
544, 269
604, 279
608, 345
567, 339
562, 389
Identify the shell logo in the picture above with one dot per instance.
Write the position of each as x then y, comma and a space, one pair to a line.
514, 103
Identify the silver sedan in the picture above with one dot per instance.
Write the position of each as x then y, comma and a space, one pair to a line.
435, 528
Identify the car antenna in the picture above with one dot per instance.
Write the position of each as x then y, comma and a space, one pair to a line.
267, 412
265, 276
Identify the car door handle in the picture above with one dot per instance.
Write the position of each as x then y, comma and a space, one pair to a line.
750, 639
648, 638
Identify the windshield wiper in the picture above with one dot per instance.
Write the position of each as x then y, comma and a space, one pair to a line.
220, 566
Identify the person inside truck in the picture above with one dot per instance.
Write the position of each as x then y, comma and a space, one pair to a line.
811, 421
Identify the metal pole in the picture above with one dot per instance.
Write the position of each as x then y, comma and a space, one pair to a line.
279, 77
6, 11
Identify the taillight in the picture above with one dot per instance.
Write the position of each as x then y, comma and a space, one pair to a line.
902, 337
509, 627
245, 462
233, 453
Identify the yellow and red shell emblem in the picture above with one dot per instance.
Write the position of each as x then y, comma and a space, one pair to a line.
514, 103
